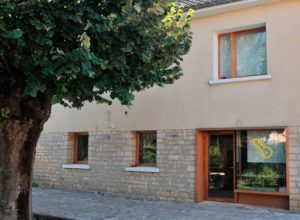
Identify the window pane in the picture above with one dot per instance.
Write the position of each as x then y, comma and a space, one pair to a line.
261, 163
251, 53
220, 166
147, 147
83, 143
225, 56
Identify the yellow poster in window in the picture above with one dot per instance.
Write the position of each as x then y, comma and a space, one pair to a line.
266, 147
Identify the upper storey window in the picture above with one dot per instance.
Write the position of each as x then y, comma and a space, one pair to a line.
242, 53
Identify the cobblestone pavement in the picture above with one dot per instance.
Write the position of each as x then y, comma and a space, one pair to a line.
90, 206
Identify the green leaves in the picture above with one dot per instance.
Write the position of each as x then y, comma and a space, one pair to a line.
76, 51
38, 25
137, 7
33, 87
15, 34
4, 112
85, 41
157, 9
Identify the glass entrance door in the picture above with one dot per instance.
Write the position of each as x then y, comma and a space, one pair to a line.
221, 166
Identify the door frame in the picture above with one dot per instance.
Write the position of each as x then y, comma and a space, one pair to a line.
206, 165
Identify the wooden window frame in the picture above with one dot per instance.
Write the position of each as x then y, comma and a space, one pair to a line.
137, 149
287, 180
233, 50
75, 148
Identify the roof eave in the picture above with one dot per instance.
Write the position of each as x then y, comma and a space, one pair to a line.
218, 9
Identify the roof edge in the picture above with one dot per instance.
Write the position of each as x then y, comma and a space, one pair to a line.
218, 9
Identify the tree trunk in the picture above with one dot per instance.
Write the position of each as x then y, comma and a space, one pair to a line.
18, 139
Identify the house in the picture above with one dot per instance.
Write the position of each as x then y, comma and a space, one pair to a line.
228, 130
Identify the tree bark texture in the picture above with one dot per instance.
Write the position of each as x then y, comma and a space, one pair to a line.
19, 132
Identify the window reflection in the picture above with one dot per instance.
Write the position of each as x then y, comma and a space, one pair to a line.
261, 160
251, 53
243, 53
225, 53
147, 147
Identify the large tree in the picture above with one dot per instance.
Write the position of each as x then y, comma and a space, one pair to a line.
69, 52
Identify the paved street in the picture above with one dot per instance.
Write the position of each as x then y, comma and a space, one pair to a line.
90, 206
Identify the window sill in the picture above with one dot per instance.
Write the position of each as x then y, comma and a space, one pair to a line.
76, 166
241, 79
142, 169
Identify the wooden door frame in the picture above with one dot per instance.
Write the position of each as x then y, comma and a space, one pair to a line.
200, 191
206, 164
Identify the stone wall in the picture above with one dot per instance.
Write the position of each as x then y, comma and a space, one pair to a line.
53, 150
294, 167
109, 154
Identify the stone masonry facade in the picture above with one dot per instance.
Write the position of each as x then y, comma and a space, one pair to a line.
294, 167
109, 153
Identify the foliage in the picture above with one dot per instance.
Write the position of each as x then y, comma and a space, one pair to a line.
5, 171
267, 176
216, 157
4, 112
263, 176
149, 155
72, 51
35, 184
2, 203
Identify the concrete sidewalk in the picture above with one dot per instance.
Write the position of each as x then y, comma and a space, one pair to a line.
88, 206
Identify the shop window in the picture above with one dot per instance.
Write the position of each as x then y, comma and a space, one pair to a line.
146, 143
81, 146
261, 160
242, 53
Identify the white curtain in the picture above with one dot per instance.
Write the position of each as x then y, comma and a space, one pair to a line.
251, 54
225, 56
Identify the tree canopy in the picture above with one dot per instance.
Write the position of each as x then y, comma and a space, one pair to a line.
72, 51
